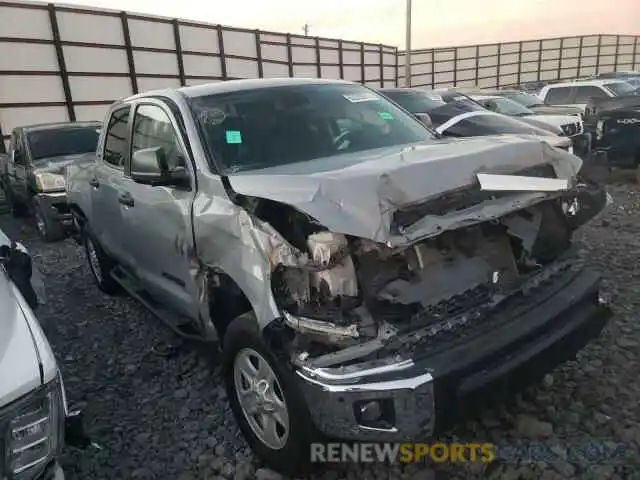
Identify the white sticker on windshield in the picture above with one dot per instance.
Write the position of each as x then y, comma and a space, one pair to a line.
361, 97
434, 97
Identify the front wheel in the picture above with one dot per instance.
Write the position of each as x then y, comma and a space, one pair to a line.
100, 264
265, 399
49, 229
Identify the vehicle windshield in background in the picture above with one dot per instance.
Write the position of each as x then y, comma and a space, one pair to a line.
510, 107
465, 102
50, 143
452, 109
620, 88
266, 127
415, 101
526, 99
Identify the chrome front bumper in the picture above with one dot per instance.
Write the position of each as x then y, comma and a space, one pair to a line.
425, 395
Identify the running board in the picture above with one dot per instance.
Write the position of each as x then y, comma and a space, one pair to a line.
180, 325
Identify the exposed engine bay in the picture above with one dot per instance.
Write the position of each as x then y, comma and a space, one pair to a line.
353, 293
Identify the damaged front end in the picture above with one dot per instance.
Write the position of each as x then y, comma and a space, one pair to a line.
363, 316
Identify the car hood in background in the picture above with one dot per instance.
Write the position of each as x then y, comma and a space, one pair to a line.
555, 120
357, 194
536, 121
556, 109
58, 164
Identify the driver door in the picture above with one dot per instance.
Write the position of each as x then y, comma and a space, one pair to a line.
158, 219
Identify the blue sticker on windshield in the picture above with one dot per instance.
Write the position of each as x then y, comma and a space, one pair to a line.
385, 115
233, 136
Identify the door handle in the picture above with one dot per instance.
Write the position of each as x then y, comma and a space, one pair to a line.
125, 199
94, 182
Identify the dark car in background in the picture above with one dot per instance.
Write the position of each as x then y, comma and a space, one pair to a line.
33, 177
455, 114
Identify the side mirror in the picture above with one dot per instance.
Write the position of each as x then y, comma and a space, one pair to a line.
425, 119
149, 166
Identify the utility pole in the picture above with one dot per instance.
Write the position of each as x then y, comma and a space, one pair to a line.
407, 53
305, 29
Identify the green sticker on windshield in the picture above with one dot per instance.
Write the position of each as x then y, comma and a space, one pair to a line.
233, 136
385, 115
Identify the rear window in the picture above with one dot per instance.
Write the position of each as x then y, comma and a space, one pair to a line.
558, 96
61, 142
620, 88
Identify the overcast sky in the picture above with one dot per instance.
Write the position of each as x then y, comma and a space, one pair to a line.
435, 22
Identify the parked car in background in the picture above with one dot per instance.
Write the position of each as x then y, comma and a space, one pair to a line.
34, 180
33, 407
632, 78
365, 277
455, 114
571, 125
615, 126
578, 93
533, 102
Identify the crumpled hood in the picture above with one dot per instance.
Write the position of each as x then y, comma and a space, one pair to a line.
357, 194
57, 164
19, 369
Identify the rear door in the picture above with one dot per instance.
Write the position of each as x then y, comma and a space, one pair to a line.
107, 185
157, 225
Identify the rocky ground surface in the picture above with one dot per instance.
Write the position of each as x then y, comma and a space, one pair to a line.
158, 411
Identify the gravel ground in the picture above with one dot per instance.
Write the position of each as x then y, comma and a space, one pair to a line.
158, 411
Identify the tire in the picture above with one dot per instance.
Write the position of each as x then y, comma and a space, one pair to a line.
49, 230
243, 339
100, 264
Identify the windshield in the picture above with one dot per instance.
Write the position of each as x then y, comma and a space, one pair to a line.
493, 124
413, 101
266, 127
526, 99
50, 143
620, 88
508, 107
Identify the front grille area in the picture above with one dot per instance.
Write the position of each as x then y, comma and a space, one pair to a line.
572, 129
460, 199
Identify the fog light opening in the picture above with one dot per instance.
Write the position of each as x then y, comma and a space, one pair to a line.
377, 413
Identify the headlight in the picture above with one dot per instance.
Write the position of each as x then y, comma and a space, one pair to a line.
49, 182
32, 432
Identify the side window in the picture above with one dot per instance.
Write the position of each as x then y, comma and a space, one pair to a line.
583, 94
115, 143
558, 96
152, 129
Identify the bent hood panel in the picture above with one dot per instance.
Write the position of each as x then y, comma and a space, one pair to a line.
356, 194
19, 370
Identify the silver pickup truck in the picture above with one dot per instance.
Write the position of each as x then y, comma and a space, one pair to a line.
365, 278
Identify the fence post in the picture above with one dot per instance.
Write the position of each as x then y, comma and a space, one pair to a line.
455, 66
519, 63
318, 58
580, 56
126, 34
3, 148
340, 60
382, 66
289, 55
559, 73
539, 58
179, 58
362, 69
635, 49
598, 54
259, 54
615, 60
397, 68
477, 64
498, 60
62, 66
223, 61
